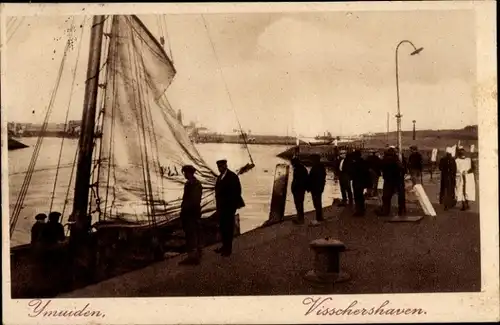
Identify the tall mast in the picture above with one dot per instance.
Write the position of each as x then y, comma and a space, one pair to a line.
86, 141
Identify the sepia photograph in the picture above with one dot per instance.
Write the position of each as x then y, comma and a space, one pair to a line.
246, 152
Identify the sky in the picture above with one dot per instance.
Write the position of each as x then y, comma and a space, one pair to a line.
286, 73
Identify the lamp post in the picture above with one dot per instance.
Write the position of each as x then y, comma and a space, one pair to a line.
414, 132
398, 116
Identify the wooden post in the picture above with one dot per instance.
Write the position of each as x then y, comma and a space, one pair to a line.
278, 199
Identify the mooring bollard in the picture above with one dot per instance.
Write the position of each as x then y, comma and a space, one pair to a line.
327, 261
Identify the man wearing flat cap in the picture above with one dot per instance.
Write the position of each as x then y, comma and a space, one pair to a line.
37, 229
191, 215
228, 199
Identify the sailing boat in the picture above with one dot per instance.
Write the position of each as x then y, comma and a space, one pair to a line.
128, 185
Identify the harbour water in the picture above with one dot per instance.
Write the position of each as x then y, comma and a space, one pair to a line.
257, 184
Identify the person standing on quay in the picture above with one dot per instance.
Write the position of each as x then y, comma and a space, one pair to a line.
374, 163
228, 199
360, 180
465, 186
393, 173
342, 170
299, 188
38, 229
415, 165
317, 180
448, 168
191, 215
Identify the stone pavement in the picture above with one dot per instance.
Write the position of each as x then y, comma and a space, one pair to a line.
440, 254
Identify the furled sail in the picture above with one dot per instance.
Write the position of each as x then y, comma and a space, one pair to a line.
143, 145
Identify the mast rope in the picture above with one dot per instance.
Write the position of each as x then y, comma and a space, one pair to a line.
67, 112
13, 30
96, 176
27, 179
142, 127
110, 162
227, 89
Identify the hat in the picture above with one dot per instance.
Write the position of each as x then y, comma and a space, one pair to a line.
413, 147
188, 169
41, 216
54, 215
449, 150
343, 152
221, 162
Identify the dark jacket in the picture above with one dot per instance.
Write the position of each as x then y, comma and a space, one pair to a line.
37, 232
228, 192
360, 173
374, 163
300, 179
191, 200
346, 166
53, 232
317, 178
392, 170
415, 161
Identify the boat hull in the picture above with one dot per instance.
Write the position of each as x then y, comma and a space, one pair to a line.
15, 145
115, 250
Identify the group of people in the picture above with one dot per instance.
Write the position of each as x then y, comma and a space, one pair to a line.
356, 176
359, 178
454, 175
228, 199
45, 233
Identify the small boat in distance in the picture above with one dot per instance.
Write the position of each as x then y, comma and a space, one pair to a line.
15, 144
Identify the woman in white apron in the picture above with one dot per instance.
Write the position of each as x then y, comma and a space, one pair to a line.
465, 189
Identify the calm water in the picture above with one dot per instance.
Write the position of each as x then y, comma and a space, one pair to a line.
257, 184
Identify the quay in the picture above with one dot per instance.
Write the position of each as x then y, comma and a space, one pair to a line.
437, 254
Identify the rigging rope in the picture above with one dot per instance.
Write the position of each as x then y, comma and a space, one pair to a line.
163, 30
111, 144
14, 30
104, 58
144, 156
67, 113
227, 89
27, 179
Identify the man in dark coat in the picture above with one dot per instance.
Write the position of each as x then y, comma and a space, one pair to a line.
299, 188
342, 169
54, 230
393, 172
360, 176
228, 199
374, 165
317, 181
191, 215
38, 229
415, 165
448, 168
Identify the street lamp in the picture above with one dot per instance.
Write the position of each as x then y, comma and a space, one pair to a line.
398, 116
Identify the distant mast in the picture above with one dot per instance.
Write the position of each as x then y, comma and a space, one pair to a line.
85, 142
387, 136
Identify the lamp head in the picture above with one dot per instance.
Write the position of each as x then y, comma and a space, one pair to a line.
417, 51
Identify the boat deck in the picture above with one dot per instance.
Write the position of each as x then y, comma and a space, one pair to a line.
440, 254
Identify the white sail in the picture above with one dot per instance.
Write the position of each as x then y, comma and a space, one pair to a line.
143, 145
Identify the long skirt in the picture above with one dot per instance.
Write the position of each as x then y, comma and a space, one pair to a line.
465, 189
